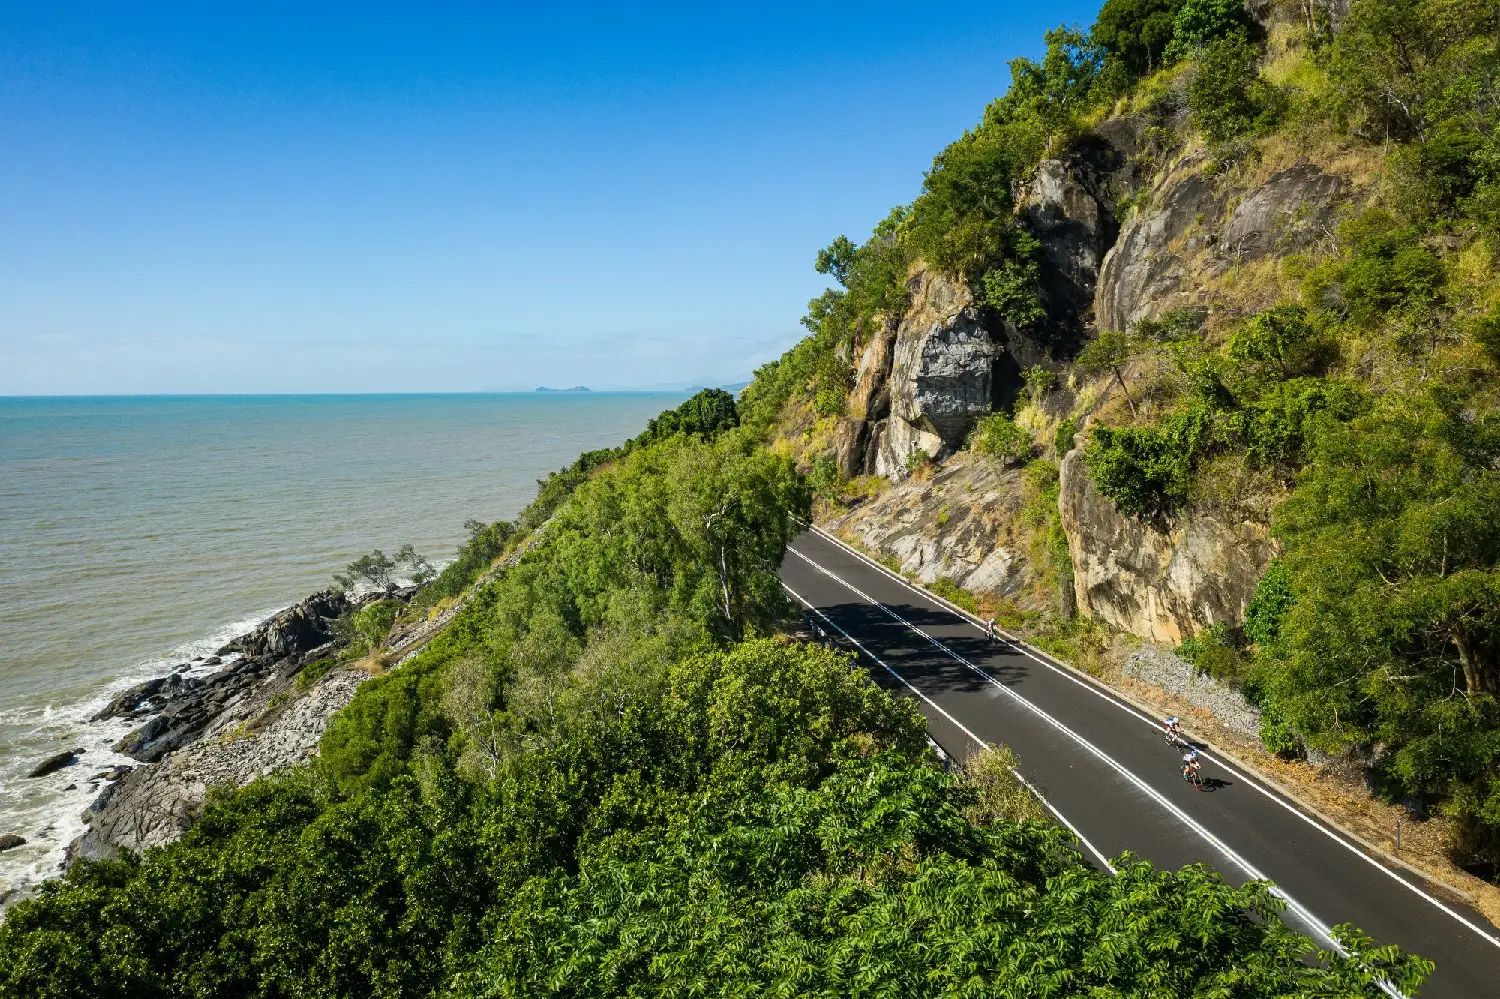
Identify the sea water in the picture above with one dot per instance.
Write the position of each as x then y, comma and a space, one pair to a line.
140, 532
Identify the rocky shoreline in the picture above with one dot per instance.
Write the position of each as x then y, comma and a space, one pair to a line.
257, 713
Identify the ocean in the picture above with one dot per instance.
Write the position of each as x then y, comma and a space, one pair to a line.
140, 532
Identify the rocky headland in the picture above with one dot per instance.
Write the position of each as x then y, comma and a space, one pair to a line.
259, 712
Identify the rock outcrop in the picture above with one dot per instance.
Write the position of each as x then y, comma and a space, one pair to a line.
1069, 205
1190, 232
276, 727
297, 629
1160, 580
959, 526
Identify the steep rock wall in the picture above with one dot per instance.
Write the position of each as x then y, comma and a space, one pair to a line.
1162, 581
1191, 232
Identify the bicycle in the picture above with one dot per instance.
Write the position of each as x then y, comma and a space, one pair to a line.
1194, 776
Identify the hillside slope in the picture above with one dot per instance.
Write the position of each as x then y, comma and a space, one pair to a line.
1223, 317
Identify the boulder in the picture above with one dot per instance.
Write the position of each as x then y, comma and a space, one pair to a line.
297, 629
1160, 579
10, 841
54, 763
1293, 209
947, 370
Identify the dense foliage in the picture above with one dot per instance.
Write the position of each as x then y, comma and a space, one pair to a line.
597, 782
1369, 398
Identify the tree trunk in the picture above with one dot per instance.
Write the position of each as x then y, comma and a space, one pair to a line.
1479, 672
1125, 391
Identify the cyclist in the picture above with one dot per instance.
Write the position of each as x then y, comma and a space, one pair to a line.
1173, 728
1190, 766
989, 629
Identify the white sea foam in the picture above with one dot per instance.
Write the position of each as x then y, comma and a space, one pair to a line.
47, 810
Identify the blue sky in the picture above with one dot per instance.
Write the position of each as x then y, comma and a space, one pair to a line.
300, 197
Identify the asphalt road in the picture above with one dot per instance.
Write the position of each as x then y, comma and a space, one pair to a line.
1107, 772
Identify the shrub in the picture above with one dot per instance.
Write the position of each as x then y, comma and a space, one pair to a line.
1212, 652
1268, 604
998, 437
1227, 97
917, 460
1039, 381
372, 622
1013, 288
824, 477
1148, 470
1067, 431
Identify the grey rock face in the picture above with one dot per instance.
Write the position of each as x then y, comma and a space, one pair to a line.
1162, 581
299, 628
1069, 205
947, 376
1142, 276
1294, 208
1188, 223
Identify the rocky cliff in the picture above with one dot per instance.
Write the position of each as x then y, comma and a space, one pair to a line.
1133, 221
1159, 578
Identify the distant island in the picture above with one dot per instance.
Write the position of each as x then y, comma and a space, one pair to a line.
575, 388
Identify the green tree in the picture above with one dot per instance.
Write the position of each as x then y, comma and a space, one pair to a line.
1136, 32
375, 569
1392, 567
1109, 352
1198, 24
1227, 96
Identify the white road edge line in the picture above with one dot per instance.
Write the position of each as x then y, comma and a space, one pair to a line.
1025, 650
1303, 914
957, 724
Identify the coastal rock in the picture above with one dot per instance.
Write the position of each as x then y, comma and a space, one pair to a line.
54, 763
1161, 580
299, 628
945, 373
153, 805
136, 743
1293, 209
10, 841
1143, 274
1189, 232
128, 701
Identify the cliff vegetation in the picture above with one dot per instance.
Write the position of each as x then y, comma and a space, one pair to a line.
1219, 280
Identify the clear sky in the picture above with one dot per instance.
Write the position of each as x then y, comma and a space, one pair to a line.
300, 197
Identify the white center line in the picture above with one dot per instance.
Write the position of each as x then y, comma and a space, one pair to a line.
1021, 647
1303, 914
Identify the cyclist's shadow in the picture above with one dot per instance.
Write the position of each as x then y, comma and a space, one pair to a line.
1215, 783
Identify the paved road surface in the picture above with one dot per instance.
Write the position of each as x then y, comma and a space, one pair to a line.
1107, 772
